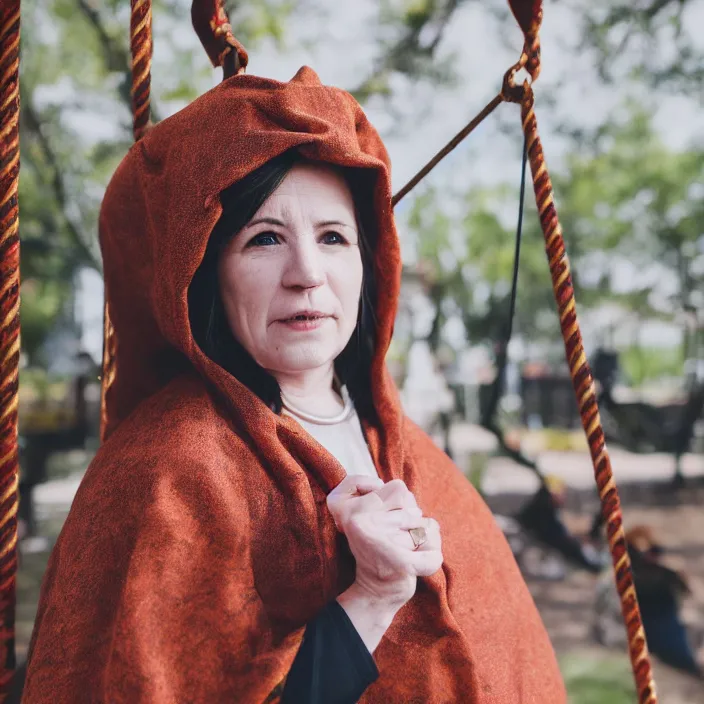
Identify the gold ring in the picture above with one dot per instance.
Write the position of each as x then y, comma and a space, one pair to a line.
419, 536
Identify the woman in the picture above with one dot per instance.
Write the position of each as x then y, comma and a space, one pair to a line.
262, 523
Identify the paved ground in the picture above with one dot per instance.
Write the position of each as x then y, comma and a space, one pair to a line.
566, 606
575, 468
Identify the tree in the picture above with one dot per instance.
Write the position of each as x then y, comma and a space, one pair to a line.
633, 209
76, 121
468, 262
76, 126
631, 212
409, 33
654, 41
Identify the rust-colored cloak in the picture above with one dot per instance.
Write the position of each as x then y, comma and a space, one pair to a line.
199, 543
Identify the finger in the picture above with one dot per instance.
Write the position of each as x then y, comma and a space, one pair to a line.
395, 494
425, 562
344, 510
433, 540
403, 519
354, 484
350, 488
364, 503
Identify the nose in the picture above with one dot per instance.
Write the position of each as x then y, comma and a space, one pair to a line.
304, 268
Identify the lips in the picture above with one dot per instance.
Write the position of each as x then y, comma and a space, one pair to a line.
305, 315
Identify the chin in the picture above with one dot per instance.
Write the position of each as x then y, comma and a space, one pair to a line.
303, 358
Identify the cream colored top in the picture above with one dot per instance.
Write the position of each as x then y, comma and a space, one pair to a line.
340, 435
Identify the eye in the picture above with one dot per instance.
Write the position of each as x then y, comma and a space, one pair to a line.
333, 237
263, 239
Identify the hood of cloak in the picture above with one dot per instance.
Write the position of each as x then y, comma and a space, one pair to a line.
199, 543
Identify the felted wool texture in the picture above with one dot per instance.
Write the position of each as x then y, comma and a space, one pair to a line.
199, 543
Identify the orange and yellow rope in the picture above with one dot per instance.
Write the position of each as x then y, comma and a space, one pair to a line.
586, 400
529, 15
141, 49
9, 330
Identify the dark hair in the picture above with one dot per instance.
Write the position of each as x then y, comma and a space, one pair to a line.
209, 324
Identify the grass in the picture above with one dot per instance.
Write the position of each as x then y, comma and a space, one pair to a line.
475, 468
558, 440
597, 679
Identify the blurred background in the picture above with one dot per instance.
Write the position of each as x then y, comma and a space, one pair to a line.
619, 106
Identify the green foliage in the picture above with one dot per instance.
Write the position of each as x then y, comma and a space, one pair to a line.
258, 21
654, 42
594, 679
636, 203
627, 203
560, 440
41, 302
625, 199
642, 364
409, 33
469, 259
76, 125
475, 469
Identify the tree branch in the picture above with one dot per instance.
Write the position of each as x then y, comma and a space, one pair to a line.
117, 58
489, 420
408, 49
33, 124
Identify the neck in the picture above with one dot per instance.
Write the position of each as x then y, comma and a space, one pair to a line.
312, 391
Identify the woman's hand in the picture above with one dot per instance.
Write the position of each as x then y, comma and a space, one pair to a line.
376, 517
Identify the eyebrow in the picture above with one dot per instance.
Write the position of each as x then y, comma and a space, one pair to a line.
275, 221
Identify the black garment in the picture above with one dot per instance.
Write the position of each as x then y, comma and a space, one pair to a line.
333, 665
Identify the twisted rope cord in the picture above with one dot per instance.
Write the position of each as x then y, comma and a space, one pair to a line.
529, 15
580, 372
9, 330
141, 47
585, 392
109, 366
459, 137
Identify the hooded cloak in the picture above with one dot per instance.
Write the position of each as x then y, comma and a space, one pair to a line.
199, 543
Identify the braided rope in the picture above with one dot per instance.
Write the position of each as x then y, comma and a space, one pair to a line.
580, 371
109, 367
9, 330
459, 137
141, 48
529, 15
586, 400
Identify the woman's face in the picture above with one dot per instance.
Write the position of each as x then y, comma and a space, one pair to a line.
291, 279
